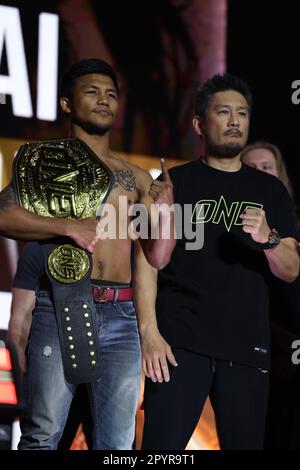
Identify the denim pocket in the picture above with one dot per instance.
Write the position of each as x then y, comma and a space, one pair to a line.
127, 309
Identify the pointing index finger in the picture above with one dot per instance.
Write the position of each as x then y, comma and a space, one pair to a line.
166, 176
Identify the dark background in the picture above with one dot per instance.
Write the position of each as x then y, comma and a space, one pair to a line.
263, 47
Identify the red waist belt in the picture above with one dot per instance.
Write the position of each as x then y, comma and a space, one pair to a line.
111, 294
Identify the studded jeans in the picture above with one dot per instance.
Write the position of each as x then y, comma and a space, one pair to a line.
113, 397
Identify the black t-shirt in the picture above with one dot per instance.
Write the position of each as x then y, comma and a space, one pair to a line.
30, 267
214, 300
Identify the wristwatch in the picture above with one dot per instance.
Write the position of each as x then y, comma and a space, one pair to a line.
273, 240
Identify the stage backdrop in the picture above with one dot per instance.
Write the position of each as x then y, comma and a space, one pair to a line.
162, 50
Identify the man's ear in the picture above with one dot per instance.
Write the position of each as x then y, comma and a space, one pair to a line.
198, 125
65, 105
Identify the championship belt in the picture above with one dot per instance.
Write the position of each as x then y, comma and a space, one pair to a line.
64, 178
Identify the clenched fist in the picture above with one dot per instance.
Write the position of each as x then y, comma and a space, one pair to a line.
254, 222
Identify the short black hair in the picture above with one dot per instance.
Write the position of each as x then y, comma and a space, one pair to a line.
220, 83
84, 67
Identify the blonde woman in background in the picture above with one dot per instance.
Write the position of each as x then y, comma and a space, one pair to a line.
283, 416
267, 157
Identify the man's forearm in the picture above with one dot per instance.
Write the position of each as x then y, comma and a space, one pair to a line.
284, 260
158, 251
144, 290
144, 300
16, 222
21, 224
156, 352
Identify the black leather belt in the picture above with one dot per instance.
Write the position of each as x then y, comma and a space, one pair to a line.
75, 314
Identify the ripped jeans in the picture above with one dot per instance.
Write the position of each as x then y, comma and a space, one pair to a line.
113, 397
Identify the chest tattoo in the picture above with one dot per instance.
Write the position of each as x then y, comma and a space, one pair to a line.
125, 179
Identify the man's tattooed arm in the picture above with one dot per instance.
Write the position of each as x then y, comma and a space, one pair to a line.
7, 197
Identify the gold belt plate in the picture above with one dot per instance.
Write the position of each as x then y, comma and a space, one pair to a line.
61, 178
68, 264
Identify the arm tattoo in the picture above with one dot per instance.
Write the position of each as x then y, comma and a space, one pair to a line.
7, 197
125, 179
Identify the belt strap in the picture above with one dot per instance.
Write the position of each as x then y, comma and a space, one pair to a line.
77, 324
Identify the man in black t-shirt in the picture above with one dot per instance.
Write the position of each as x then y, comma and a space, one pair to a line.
212, 304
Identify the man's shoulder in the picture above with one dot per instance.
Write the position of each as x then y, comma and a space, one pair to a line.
124, 164
139, 172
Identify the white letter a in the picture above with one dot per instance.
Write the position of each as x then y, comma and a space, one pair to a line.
16, 83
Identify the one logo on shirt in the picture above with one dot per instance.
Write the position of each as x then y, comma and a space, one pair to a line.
217, 212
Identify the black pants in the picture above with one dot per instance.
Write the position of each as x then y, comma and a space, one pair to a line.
238, 394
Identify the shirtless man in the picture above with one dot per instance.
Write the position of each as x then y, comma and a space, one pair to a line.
89, 98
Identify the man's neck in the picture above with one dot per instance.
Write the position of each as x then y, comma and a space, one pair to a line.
223, 164
98, 143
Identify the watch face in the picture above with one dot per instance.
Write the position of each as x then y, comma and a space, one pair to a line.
274, 238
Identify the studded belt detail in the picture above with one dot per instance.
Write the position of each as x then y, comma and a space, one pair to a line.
75, 311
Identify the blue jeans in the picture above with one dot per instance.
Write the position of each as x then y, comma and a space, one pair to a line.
113, 397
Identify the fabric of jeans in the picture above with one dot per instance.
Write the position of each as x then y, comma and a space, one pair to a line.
113, 397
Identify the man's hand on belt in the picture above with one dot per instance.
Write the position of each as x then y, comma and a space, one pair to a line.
156, 351
83, 232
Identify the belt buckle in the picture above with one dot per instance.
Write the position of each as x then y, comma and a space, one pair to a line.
102, 295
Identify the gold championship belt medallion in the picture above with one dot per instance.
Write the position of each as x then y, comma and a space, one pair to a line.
60, 178
68, 264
